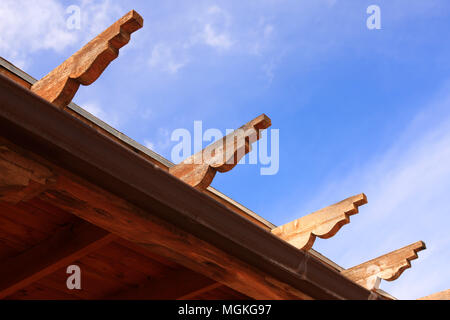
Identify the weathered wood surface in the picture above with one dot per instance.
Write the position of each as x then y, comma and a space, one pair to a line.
324, 223
174, 219
124, 219
87, 64
442, 295
194, 294
174, 284
109, 212
387, 267
199, 169
69, 244
20, 178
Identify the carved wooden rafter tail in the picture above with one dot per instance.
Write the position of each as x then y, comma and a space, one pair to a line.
87, 64
324, 223
199, 169
387, 267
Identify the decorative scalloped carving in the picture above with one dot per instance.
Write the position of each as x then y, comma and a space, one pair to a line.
87, 64
199, 169
324, 223
387, 267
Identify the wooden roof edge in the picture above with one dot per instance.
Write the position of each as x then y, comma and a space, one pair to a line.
132, 143
385, 294
441, 295
53, 134
158, 159
162, 161
241, 207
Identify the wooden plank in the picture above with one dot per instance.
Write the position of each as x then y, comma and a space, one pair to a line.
325, 223
87, 64
172, 285
177, 211
194, 294
130, 222
66, 246
387, 267
20, 178
442, 295
199, 169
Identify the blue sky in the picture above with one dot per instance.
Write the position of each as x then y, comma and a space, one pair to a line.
358, 110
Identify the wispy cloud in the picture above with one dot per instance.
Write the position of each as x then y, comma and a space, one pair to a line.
407, 188
164, 58
32, 26
95, 109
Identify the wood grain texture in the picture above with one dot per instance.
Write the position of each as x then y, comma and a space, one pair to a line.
194, 294
324, 223
87, 64
199, 169
59, 250
20, 178
442, 295
130, 222
387, 267
173, 284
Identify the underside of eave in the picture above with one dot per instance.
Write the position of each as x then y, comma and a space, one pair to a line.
281, 254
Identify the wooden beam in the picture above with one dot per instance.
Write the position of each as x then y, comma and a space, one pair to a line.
194, 294
20, 178
442, 295
114, 214
199, 169
67, 245
170, 286
387, 267
154, 209
87, 64
325, 223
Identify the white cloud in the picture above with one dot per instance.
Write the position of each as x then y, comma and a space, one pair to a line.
95, 109
212, 29
28, 26
148, 144
408, 189
162, 144
96, 16
215, 39
31, 26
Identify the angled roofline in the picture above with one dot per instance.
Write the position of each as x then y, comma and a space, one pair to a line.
132, 143
36, 125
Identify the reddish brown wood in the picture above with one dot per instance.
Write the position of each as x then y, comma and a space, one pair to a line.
442, 295
175, 283
324, 223
116, 215
199, 169
387, 267
194, 294
61, 249
14, 77
20, 178
87, 64
166, 204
